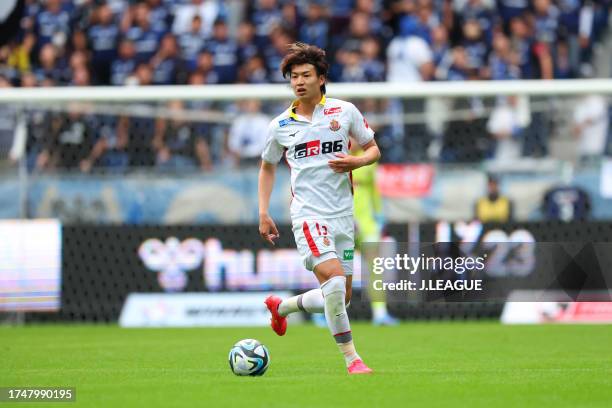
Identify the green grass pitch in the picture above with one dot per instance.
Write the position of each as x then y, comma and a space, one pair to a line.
416, 364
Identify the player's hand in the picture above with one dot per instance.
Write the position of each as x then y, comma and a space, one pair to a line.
344, 163
267, 229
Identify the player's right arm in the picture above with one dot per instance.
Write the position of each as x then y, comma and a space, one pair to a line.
267, 228
273, 151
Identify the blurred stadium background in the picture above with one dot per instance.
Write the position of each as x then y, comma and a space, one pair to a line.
130, 135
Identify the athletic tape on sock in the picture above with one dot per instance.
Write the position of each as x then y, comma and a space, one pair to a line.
299, 303
343, 337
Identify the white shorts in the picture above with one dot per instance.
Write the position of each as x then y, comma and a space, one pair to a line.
323, 239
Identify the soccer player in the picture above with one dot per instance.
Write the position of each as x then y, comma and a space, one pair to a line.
313, 135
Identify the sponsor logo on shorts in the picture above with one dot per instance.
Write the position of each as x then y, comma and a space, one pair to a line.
348, 255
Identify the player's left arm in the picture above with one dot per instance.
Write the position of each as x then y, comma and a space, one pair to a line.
345, 163
361, 131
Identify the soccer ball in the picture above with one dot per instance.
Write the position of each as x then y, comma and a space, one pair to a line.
249, 357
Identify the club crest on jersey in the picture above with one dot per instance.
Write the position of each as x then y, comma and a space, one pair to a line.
332, 111
326, 241
334, 125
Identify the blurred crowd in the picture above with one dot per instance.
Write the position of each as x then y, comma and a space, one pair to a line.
161, 42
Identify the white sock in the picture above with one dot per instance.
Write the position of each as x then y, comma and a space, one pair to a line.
311, 302
334, 291
379, 310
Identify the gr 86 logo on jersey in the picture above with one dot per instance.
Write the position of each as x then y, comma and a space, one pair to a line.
315, 147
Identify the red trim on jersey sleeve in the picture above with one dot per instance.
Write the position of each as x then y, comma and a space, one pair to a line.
311, 243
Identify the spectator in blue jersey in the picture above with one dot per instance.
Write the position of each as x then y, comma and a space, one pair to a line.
480, 11
79, 43
546, 22
122, 67
145, 39
371, 62
503, 61
247, 48
81, 13
253, 71
508, 9
165, 62
177, 144
103, 40
78, 61
340, 14
569, 28
460, 68
522, 43
440, 47
420, 23
224, 51
474, 44
80, 77
136, 132
352, 68
378, 27
191, 43
50, 65
32, 9
291, 18
160, 16
265, 16
205, 67
564, 68
274, 54
358, 30
52, 24
545, 32
315, 30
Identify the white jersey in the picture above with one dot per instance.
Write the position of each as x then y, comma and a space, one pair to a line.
308, 146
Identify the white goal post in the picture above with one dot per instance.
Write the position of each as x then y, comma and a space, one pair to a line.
280, 91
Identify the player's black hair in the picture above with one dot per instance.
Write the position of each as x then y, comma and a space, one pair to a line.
300, 53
